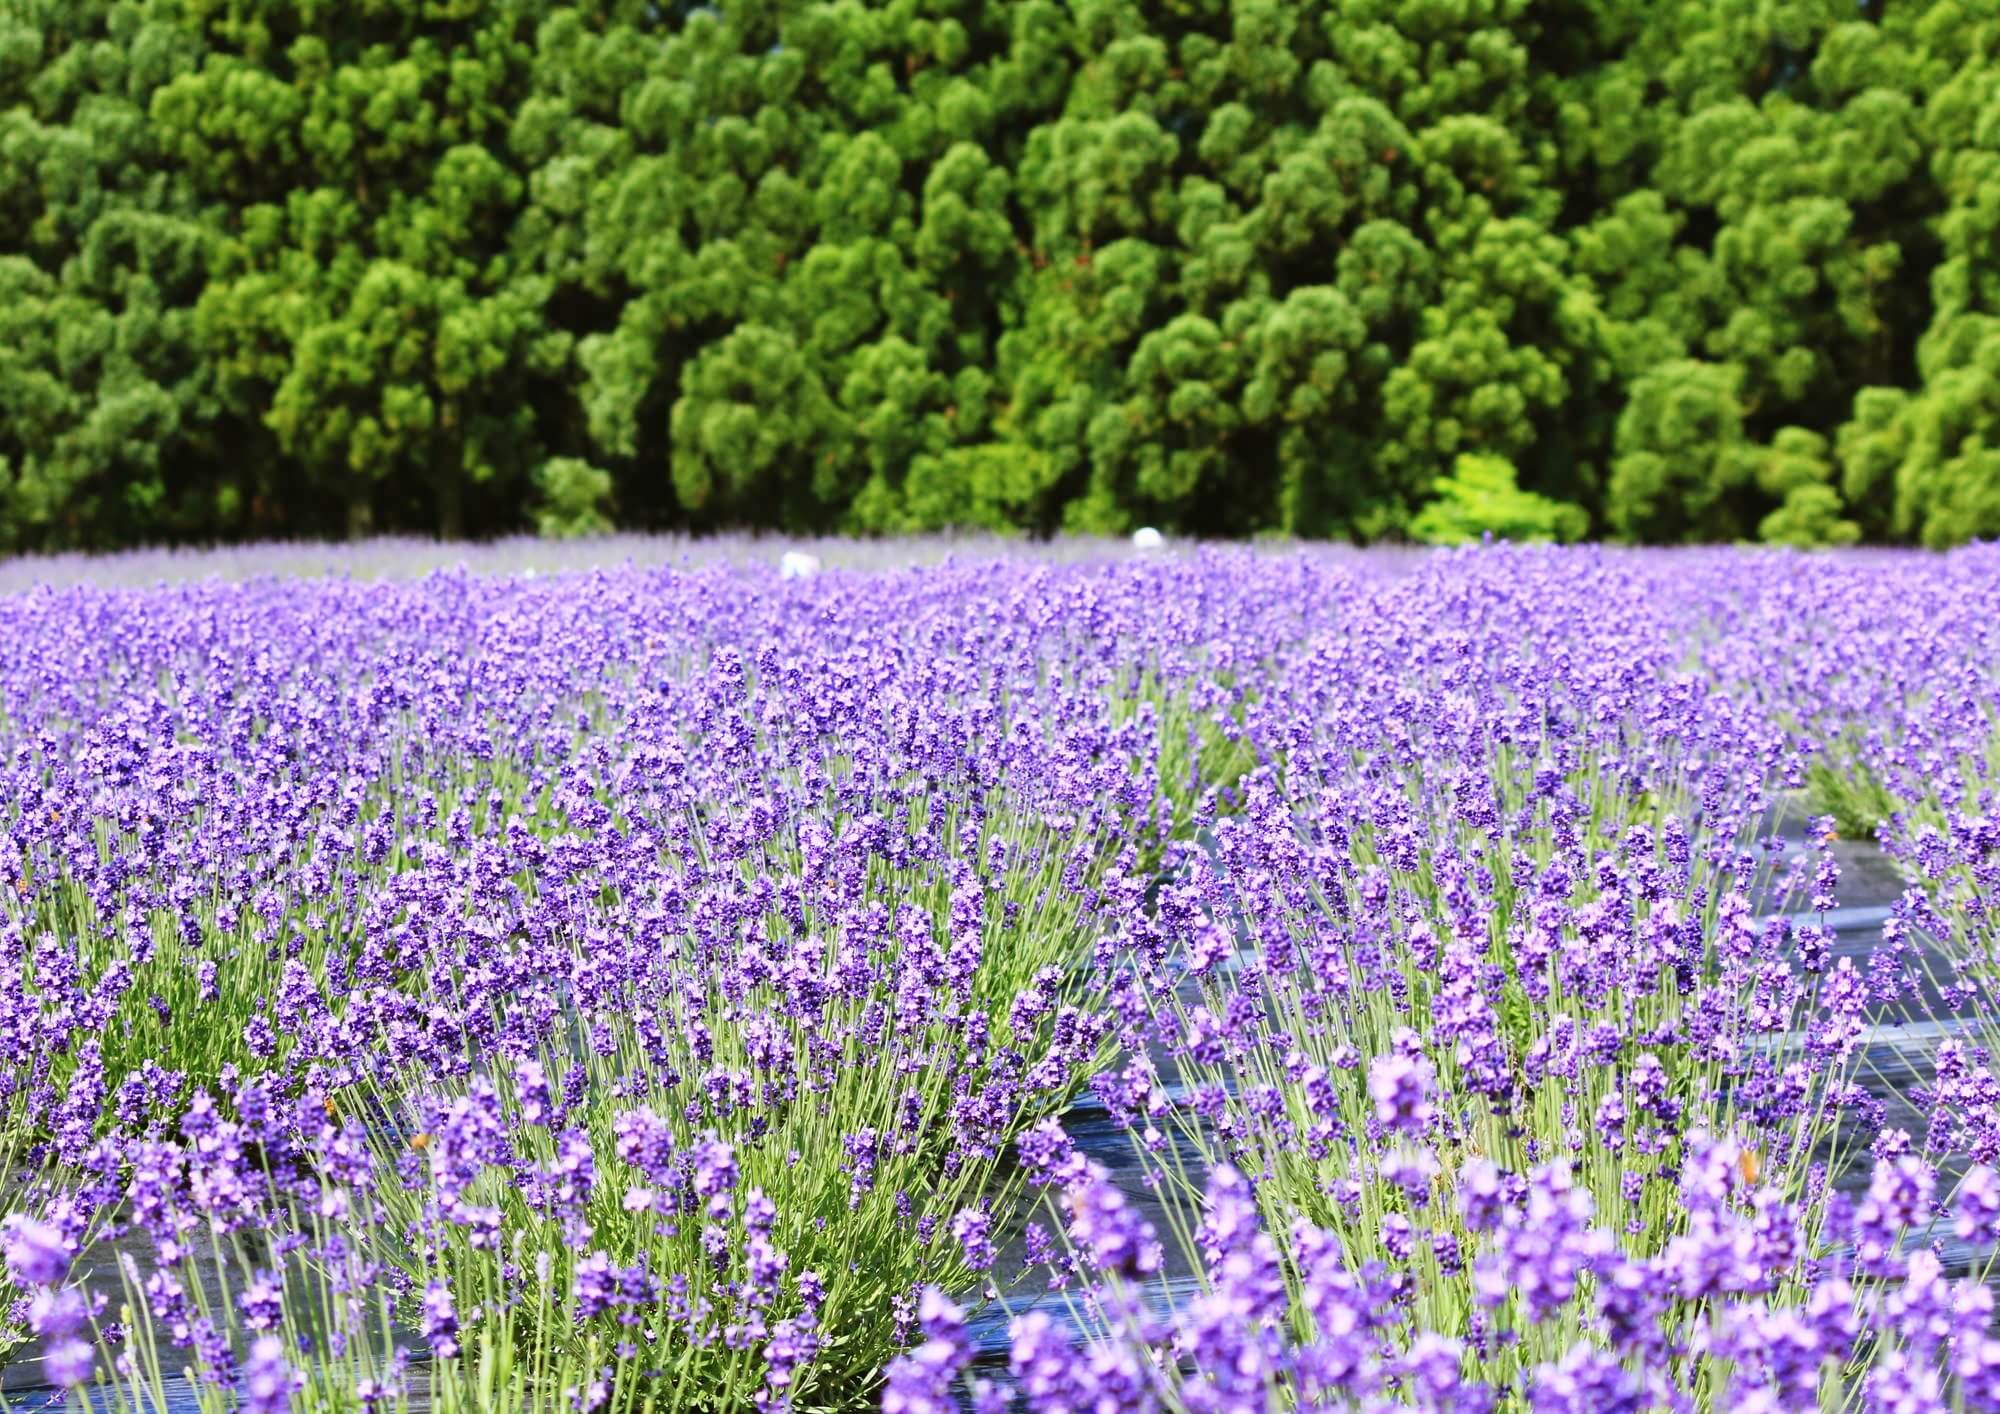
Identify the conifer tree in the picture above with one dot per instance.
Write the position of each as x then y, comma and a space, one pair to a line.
1715, 270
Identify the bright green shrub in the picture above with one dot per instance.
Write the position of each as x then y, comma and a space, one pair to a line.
1481, 497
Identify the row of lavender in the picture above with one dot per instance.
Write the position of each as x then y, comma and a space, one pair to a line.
1524, 1087
659, 989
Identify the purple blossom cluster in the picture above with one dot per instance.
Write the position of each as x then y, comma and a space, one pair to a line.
1493, 970
663, 987
1564, 1317
642, 972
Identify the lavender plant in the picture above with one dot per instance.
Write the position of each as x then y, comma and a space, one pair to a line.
1497, 1089
607, 985
661, 987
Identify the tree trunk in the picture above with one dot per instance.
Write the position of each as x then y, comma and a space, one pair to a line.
360, 513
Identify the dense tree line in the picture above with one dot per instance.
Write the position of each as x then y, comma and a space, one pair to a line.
1694, 270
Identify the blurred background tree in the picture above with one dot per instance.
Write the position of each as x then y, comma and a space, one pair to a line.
1686, 271
1483, 497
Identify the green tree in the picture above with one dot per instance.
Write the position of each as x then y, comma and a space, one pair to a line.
108, 425
1482, 496
1707, 270
1925, 459
575, 499
363, 304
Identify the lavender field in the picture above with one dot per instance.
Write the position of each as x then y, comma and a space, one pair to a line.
950, 977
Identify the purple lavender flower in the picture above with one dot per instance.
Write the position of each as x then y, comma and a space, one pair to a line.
531, 1091
920, 1382
54, 1313
439, 1323
268, 1381
1543, 1251
37, 1252
1431, 1369
643, 1140
1587, 1381
1976, 1212
715, 1170
1401, 1085
972, 1228
1048, 1156
69, 1362
1899, 1193
1104, 1225
1482, 1195
1054, 1377
262, 1302
1899, 1384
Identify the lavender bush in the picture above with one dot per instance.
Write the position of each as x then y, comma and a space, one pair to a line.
661, 987
1518, 1081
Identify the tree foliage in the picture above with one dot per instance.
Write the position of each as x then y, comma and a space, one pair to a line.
1714, 270
1482, 497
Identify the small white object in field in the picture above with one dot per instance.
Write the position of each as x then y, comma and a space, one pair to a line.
797, 564
1147, 538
